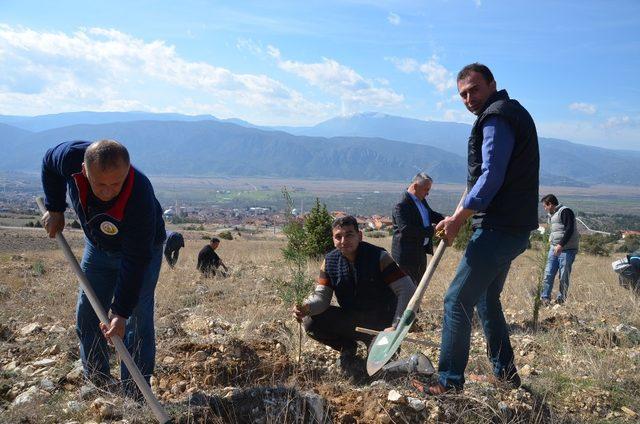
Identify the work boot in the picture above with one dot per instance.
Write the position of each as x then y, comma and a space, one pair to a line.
349, 364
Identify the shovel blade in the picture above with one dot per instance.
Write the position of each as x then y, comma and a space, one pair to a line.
387, 343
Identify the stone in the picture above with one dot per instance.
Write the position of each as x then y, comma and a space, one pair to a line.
11, 366
395, 397
630, 412
30, 329
199, 356
416, 404
316, 404
57, 329
87, 391
168, 360
106, 410
75, 374
47, 385
47, 362
28, 396
74, 406
525, 371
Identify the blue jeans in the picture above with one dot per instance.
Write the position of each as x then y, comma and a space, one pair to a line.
103, 272
563, 262
478, 282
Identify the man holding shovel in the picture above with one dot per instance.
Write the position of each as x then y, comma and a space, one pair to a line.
372, 292
502, 184
124, 232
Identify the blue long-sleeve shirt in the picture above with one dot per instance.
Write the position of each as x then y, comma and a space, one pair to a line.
497, 147
131, 224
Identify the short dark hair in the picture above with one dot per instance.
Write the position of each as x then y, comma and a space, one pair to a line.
550, 198
476, 67
345, 221
107, 154
215, 240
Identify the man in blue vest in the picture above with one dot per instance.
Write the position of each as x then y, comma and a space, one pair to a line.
371, 290
124, 231
564, 241
502, 200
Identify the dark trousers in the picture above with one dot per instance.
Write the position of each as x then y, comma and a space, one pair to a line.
416, 269
336, 327
171, 256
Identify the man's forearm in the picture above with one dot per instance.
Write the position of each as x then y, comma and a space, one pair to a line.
319, 300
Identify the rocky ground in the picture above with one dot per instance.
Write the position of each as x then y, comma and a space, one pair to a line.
228, 352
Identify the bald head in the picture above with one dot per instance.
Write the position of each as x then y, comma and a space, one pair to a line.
106, 155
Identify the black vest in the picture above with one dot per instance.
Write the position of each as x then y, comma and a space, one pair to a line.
515, 206
361, 286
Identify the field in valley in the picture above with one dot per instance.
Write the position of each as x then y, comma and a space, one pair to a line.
228, 348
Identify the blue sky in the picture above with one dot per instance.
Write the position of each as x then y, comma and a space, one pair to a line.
573, 64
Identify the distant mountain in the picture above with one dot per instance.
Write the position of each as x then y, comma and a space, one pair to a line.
449, 136
217, 148
364, 146
562, 162
47, 122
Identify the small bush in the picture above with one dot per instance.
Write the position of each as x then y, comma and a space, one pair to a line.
225, 235
595, 244
377, 234
38, 268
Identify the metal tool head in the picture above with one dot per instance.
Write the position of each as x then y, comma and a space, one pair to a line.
388, 342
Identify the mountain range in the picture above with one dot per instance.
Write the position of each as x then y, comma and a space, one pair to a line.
367, 146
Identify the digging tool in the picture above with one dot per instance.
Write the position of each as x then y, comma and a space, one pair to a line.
155, 405
407, 339
388, 342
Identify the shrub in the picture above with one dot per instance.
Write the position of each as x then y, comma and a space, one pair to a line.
595, 244
317, 231
225, 235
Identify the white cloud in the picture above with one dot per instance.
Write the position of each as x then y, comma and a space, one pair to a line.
247, 44
437, 75
393, 18
337, 79
620, 132
478, 3
434, 72
587, 108
105, 69
624, 121
406, 65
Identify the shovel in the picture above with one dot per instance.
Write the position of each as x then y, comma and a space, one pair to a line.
155, 405
388, 342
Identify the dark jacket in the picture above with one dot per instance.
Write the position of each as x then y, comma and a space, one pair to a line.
208, 260
515, 205
360, 287
409, 232
132, 226
175, 241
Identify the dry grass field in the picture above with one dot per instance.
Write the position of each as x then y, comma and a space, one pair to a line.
227, 347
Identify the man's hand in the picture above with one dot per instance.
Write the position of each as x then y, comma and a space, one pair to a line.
300, 312
451, 227
451, 224
115, 328
557, 250
53, 222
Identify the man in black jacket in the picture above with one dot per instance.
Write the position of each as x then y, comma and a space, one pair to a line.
209, 261
413, 222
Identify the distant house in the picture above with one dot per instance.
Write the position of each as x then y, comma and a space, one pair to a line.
627, 233
338, 214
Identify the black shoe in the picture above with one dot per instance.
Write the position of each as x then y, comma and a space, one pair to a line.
350, 364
